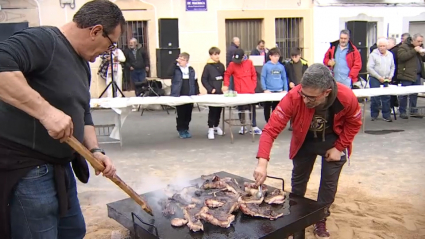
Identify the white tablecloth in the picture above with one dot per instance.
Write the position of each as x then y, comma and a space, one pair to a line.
122, 106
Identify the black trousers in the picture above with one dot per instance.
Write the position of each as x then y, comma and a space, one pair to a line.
269, 106
184, 116
214, 116
303, 165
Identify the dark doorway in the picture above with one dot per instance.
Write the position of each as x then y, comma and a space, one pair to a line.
8, 29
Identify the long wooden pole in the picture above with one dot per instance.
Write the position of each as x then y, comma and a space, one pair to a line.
83, 151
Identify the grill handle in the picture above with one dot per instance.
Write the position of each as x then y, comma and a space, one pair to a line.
133, 216
283, 181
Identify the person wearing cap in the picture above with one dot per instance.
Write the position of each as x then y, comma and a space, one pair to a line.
244, 82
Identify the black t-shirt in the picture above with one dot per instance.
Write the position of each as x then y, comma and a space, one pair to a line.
321, 124
53, 69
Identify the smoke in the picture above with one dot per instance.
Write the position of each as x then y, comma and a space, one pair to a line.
162, 188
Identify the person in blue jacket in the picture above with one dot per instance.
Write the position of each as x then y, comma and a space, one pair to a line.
273, 80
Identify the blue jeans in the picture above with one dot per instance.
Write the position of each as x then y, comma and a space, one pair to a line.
34, 208
377, 100
413, 98
138, 75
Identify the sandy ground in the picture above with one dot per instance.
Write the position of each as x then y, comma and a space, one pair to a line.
380, 195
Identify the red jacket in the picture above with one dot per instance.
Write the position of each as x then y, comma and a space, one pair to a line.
347, 121
354, 60
244, 77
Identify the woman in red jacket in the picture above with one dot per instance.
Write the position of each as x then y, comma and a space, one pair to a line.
326, 117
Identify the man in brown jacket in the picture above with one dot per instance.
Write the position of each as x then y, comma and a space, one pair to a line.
411, 56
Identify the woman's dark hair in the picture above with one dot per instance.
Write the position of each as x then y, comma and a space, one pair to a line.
100, 12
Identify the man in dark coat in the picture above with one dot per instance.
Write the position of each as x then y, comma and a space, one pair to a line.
411, 56
137, 61
236, 42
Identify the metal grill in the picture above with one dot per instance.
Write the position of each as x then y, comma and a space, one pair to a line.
138, 30
248, 30
289, 34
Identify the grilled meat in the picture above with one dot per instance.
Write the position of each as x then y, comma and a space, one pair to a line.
251, 189
251, 199
191, 215
178, 222
213, 203
166, 207
217, 217
218, 185
275, 197
255, 210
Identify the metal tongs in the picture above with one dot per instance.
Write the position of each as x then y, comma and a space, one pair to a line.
260, 192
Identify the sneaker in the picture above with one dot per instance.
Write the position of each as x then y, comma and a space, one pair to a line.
403, 116
374, 118
256, 130
388, 120
243, 130
290, 128
187, 133
218, 131
320, 230
182, 134
210, 133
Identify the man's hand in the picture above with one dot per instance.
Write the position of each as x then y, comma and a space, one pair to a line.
225, 88
115, 58
147, 68
58, 124
267, 91
260, 172
291, 85
213, 91
381, 79
333, 154
110, 169
331, 62
418, 49
131, 68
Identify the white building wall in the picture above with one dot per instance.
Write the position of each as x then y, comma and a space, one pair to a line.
329, 21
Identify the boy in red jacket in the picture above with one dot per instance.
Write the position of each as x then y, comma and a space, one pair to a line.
326, 117
244, 82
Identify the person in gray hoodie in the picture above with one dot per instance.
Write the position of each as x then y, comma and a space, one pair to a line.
381, 70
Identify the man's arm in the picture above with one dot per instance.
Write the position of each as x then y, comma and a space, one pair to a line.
357, 66
127, 58
405, 54
227, 74
277, 122
284, 80
371, 67
352, 125
197, 92
24, 53
392, 67
327, 56
263, 77
204, 80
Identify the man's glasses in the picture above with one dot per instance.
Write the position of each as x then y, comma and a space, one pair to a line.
113, 45
309, 97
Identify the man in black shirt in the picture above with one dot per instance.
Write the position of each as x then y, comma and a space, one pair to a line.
45, 99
